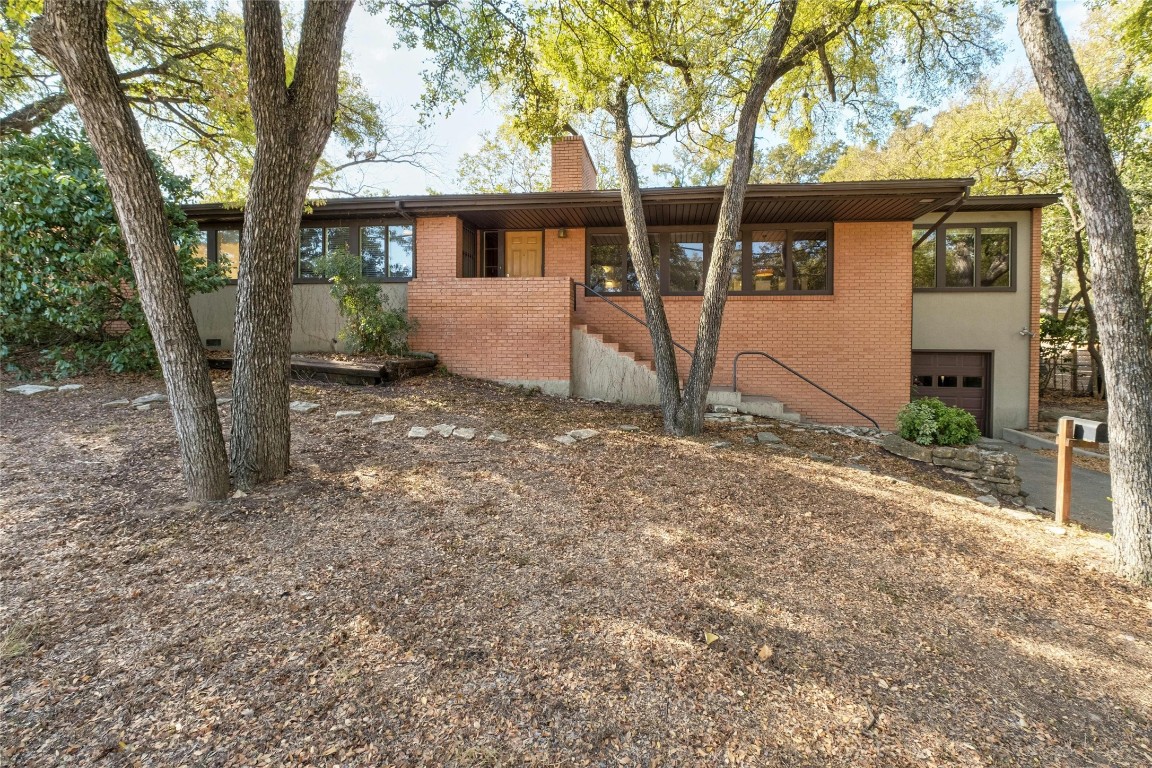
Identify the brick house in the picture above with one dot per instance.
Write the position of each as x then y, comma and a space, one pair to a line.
536, 289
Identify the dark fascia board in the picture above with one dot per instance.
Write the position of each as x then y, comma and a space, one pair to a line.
1008, 202
942, 190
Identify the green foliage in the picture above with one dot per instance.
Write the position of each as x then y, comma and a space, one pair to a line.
68, 283
504, 163
370, 326
929, 421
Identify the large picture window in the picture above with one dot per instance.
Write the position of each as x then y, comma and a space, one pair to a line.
965, 257
791, 260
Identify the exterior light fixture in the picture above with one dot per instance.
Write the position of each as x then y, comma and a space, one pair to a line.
562, 233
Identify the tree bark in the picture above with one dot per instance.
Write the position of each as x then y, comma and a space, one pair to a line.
1115, 280
72, 34
293, 122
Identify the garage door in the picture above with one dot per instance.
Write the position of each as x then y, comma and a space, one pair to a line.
957, 378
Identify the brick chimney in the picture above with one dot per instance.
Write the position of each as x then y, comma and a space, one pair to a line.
572, 166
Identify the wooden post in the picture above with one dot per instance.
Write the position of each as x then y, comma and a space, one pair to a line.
1064, 443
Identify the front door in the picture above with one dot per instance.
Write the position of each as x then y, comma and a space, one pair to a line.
523, 254
959, 379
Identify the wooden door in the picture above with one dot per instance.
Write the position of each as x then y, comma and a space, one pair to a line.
523, 254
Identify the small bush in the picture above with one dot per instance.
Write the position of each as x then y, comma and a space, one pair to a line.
929, 421
370, 326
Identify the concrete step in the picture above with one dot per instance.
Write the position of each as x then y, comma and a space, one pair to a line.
722, 396
768, 407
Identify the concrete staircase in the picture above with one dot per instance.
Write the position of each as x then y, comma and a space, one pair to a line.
641, 387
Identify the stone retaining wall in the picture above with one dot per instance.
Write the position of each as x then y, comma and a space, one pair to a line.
986, 471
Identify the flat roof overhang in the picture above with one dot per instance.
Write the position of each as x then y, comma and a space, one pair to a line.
903, 200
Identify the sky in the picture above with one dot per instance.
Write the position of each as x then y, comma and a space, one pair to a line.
391, 76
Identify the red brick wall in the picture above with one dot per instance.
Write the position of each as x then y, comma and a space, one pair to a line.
572, 166
1034, 342
514, 329
856, 343
564, 257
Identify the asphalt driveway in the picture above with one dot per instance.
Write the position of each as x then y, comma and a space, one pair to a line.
1091, 490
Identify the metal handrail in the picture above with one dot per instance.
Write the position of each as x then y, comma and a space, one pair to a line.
601, 296
735, 360
796, 373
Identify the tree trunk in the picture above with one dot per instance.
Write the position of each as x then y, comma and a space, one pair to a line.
1115, 280
72, 34
293, 122
684, 413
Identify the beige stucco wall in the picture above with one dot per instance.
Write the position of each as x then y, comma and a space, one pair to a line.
316, 320
986, 322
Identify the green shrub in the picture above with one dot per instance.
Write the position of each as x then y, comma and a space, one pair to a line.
369, 325
68, 288
929, 421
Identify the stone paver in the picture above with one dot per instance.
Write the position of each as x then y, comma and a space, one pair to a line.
419, 433
444, 430
498, 437
383, 418
302, 406
767, 437
155, 397
30, 390
464, 433
115, 403
628, 428
565, 439
70, 387
583, 434
346, 414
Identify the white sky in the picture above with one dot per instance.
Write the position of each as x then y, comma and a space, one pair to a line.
392, 77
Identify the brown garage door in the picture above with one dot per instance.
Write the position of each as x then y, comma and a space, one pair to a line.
957, 378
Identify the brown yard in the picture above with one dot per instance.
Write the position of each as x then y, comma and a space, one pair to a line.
441, 602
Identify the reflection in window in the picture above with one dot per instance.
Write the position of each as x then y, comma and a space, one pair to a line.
736, 281
607, 254
809, 261
631, 278
973, 381
768, 260
922, 381
400, 249
959, 257
946, 381
374, 251
311, 249
924, 260
337, 238
200, 250
228, 252
995, 257
686, 262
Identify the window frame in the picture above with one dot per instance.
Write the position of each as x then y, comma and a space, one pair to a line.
941, 257
663, 232
354, 226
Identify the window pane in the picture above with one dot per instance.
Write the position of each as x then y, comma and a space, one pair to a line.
768, 260
736, 281
228, 251
973, 381
686, 262
200, 250
945, 381
311, 248
959, 253
606, 267
631, 279
995, 257
374, 251
924, 260
922, 381
338, 238
809, 261
400, 251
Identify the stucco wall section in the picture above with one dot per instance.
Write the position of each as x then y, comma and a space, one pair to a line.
316, 320
856, 342
991, 322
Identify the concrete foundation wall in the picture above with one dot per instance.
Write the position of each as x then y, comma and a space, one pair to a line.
601, 373
316, 320
988, 322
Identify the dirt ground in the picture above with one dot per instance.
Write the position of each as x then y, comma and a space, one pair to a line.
632, 599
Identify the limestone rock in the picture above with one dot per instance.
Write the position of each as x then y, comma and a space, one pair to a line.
70, 387
115, 403
628, 428
565, 439
419, 432
302, 406
155, 397
144, 407
721, 444
988, 501
444, 430
383, 418
723, 409
583, 434
464, 433
30, 390
895, 444
767, 437
498, 437
346, 414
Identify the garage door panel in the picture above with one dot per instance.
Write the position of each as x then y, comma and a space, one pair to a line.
959, 379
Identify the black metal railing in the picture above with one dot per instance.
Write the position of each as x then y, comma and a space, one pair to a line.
602, 297
735, 361
796, 373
